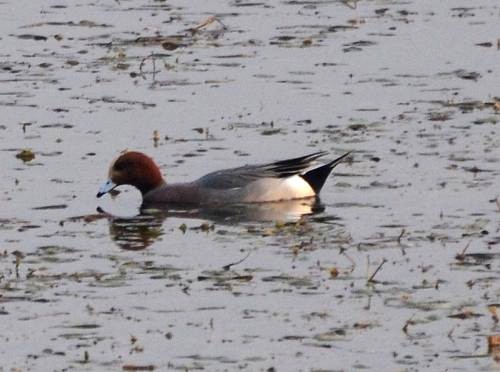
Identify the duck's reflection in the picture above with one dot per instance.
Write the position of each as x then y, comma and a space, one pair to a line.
139, 232
136, 233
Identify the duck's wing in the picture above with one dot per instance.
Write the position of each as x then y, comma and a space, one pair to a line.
242, 176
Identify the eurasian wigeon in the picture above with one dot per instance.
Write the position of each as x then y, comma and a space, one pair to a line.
282, 180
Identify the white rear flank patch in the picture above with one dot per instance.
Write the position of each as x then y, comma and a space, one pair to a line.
275, 189
298, 187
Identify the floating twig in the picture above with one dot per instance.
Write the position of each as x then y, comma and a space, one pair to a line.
400, 236
342, 251
368, 303
461, 256
450, 334
86, 356
228, 266
367, 265
19, 256
205, 23
403, 252
143, 61
408, 323
370, 280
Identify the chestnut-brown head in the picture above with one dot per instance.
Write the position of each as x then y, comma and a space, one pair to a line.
132, 168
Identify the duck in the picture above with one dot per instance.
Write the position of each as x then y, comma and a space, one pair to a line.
289, 179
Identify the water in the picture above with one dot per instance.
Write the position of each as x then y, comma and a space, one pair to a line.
404, 85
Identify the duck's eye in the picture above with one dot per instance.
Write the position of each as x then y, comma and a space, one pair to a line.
119, 167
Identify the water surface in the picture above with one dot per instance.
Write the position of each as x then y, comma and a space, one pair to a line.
410, 87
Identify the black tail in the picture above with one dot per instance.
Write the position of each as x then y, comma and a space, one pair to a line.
316, 177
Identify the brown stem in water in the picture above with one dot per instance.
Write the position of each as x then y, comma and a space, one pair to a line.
143, 61
228, 266
370, 280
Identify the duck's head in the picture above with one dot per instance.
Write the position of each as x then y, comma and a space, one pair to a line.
132, 168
